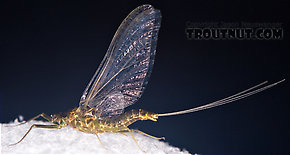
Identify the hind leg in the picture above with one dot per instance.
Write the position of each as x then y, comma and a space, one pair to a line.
131, 133
148, 134
101, 141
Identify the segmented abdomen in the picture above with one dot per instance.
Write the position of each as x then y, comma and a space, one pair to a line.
122, 122
92, 124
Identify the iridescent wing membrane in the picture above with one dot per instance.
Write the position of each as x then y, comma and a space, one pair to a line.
124, 72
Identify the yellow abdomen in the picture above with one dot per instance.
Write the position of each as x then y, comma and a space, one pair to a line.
93, 125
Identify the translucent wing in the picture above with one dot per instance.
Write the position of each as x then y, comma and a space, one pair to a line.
124, 72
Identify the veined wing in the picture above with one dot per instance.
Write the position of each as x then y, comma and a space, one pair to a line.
124, 72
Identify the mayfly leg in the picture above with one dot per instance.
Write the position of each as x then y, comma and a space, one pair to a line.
37, 126
131, 133
148, 134
43, 115
123, 133
141, 132
101, 141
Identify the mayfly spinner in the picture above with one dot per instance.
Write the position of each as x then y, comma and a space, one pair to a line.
120, 81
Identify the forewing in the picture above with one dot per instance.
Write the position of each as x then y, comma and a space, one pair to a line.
124, 72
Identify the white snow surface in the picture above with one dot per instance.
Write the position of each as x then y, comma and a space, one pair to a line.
68, 140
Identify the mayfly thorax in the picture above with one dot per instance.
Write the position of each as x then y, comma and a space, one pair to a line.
121, 79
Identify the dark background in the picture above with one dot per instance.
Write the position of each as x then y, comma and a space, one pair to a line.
50, 50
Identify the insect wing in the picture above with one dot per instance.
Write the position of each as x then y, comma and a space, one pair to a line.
124, 72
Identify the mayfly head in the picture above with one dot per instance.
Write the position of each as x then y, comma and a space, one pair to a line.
59, 119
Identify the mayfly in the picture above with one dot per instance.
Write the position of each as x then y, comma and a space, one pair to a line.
120, 81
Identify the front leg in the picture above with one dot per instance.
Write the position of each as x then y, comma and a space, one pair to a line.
38, 126
43, 115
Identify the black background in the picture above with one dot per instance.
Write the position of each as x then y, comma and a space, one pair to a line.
50, 50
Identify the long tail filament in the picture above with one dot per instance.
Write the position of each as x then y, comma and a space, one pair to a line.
235, 97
